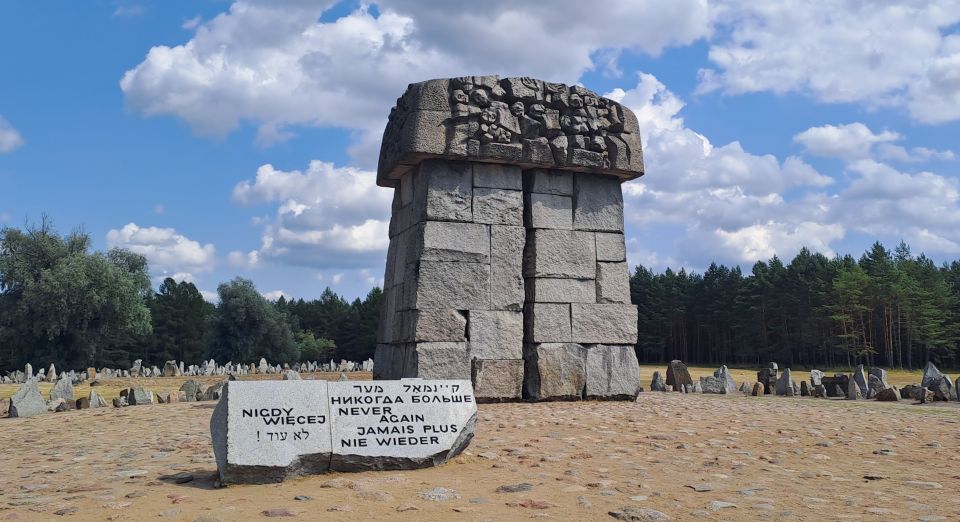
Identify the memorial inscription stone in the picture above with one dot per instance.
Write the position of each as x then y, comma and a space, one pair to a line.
266, 431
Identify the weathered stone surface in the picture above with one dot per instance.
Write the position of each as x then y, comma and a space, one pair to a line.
96, 400
394, 361
63, 389
597, 203
4, 407
248, 450
837, 385
603, 323
891, 394
556, 290
547, 323
27, 402
678, 375
215, 391
440, 414
193, 390
721, 382
610, 247
497, 380
853, 390
560, 253
443, 191
432, 326
138, 396
291, 375
560, 125
757, 389
170, 369
910, 391
496, 334
554, 371
548, 211
496, 206
441, 361
816, 377
656, 383
931, 375
860, 377
613, 372
804, 389
784, 385
506, 267
613, 283
493, 175
451, 241
875, 386
543, 181
460, 286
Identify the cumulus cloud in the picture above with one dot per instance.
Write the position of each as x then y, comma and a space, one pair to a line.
274, 295
893, 54
326, 216
10, 138
170, 254
276, 65
850, 141
728, 202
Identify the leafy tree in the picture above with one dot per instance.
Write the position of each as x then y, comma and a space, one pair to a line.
60, 303
314, 349
179, 323
247, 327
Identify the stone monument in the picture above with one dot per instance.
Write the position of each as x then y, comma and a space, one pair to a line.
507, 263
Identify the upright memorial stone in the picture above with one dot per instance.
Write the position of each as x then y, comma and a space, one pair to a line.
266, 431
506, 262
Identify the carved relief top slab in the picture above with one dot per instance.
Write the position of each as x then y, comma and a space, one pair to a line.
522, 121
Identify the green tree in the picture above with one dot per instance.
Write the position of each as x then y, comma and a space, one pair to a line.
247, 327
60, 303
179, 323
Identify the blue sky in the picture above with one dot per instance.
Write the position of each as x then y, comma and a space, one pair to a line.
240, 138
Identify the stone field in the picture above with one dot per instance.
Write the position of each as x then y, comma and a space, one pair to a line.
689, 456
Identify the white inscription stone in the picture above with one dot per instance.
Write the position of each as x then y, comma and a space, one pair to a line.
404, 424
266, 431
273, 430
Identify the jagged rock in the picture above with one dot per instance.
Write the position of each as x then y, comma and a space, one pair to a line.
63, 389
785, 384
720, 382
95, 400
837, 385
853, 390
170, 369
931, 375
757, 389
678, 374
657, 384
193, 390
744, 388
876, 385
891, 394
820, 391
804, 389
860, 377
214, 392
768, 377
27, 402
139, 396
816, 377
910, 391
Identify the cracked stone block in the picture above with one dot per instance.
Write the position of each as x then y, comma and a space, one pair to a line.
493, 175
506, 267
548, 211
452, 241
554, 371
497, 380
441, 361
544, 181
431, 326
497, 206
610, 247
603, 323
546, 323
560, 253
496, 334
553, 290
597, 203
613, 372
458, 286
613, 283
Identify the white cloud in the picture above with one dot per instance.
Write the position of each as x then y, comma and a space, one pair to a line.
245, 261
209, 296
876, 54
850, 141
10, 138
763, 241
326, 216
170, 254
277, 66
914, 154
275, 294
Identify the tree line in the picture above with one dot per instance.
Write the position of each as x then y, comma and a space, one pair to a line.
62, 303
886, 308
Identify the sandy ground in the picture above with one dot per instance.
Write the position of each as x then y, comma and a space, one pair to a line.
773, 458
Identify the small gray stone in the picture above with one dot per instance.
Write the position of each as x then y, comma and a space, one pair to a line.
638, 514
193, 390
27, 402
656, 383
439, 495
138, 396
515, 488
784, 386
